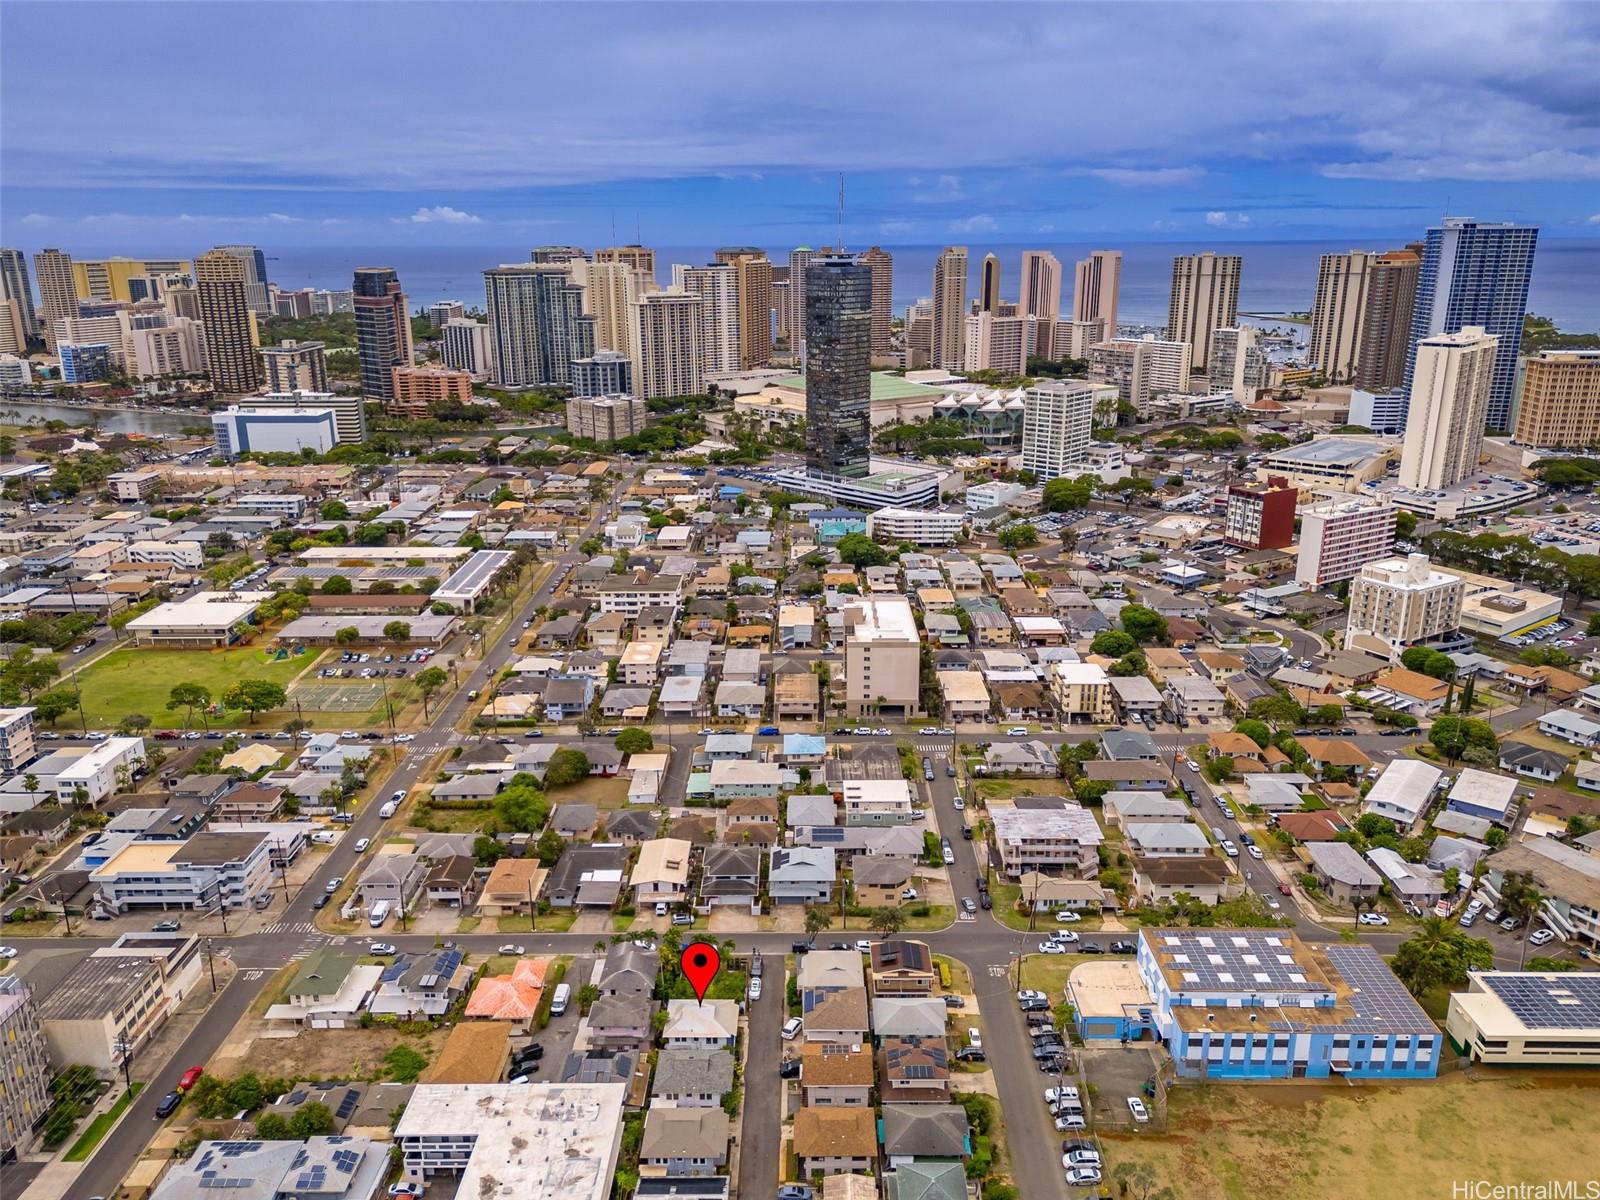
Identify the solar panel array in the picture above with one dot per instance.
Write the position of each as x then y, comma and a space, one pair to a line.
1564, 1001
1229, 961
347, 1105
1380, 1001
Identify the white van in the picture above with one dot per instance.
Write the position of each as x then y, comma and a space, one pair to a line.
558, 1001
379, 914
386, 809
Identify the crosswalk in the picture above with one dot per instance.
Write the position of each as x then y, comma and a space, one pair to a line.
290, 927
934, 747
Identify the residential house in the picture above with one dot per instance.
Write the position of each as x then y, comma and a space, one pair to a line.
834, 1075
802, 874
587, 876
621, 1022
513, 887
839, 1017
909, 1016
730, 875
1341, 871
902, 967
685, 1141
880, 879
1032, 759
691, 1077
709, 1023
1053, 841
831, 1140
1159, 880
1531, 762
662, 873
923, 1132
914, 1070
1411, 882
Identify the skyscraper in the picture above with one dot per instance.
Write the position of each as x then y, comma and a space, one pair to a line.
255, 277
753, 285
1560, 404
1239, 362
1451, 385
1040, 294
295, 367
798, 258
1056, 423
949, 307
1386, 324
219, 280
989, 285
383, 329
717, 287
1476, 273
1096, 287
536, 323
881, 263
611, 287
14, 286
1205, 298
465, 346
123, 278
640, 258
838, 336
666, 345
1339, 311
58, 294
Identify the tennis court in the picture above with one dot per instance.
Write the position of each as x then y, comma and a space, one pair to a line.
337, 697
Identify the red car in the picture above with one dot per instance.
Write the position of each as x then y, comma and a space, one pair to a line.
190, 1078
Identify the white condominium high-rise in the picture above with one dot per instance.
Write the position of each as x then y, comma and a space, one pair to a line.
1339, 312
1450, 388
994, 343
1096, 287
1398, 602
1239, 362
1141, 369
1040, 285
717, 286
1339, 537
1205, 297
1056, 421
667, 331
465, 345
949, 308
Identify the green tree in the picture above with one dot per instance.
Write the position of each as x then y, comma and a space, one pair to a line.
398, 633
634, 741
488, 850
1439, 954
521, 809
311, 1119
1457, 737
51, 706
1144, 625
1064, 495
133, 724
429, 680
566, 767
337, 585
549, 847
860, 551
334, 510
1426, 661
1112, 643
188, 696
255, 696
347, 635
1257, 731
887, 921
1018, 535
817, 918
271, 1127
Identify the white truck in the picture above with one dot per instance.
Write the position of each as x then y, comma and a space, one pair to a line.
379, 914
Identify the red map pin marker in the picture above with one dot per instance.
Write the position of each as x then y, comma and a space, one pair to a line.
700, 963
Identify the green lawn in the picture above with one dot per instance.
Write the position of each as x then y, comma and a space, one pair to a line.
141, 680
1048, 972
101, 1125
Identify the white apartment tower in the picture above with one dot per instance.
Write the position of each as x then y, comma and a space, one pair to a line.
1398, 602
1205, 298
1239, 362
1339, 537
799, 259
467, 346
1141, 369
667, 331
1040, 294
1449, 402
998, 343
1056, 421
949, 307
1096, 286
717, 286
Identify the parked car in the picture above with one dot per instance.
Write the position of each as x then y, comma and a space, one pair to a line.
1141, 1114
1540, 936
190, 1078
1067, 917
1017, 731
1372, 918
383, 949
166, 927
791, 1028
168, 1104
755, 990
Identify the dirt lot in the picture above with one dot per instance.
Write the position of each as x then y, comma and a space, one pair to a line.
1299, 1142
324, 1053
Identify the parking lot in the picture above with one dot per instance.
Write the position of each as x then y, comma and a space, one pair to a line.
1114, 1072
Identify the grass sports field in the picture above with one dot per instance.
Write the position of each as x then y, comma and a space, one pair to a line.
140, 681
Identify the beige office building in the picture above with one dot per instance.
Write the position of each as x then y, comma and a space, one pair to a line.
1560, 400
58, 291
949, 308
881, 263
13, 329
219, 278
1449, 403
177, 348
1096, 286
1398, 602
1205, 298
883, 660
1039, 294
799, 258
293, 366
667, 353
994, 343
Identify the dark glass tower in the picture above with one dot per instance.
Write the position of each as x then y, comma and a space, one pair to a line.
838, 339
383, 329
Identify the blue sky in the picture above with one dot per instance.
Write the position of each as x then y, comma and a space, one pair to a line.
161, 126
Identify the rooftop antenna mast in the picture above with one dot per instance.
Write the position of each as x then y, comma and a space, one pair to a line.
841, 211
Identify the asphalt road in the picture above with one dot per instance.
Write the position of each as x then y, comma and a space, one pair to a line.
761, 1128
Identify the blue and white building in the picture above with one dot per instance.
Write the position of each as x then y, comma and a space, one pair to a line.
1262, 1004
1476, 273
89, 362
291, 430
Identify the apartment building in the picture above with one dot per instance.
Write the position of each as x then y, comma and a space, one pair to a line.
920, 527
1081, 691
1262, 517
883, 659
1398, 602
606, 418
208, 871
466, 345
1205, 298
1560, 400
1057, 418
1450, 392
24, 1068
1051, 841
417, 390
1339, 537
1097, 285
18, 743
349, 412
1141, 369
293, 366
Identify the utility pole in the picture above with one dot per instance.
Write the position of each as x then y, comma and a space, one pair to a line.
212, 967
125, 1048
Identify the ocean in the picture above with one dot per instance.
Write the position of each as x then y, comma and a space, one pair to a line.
1277, 276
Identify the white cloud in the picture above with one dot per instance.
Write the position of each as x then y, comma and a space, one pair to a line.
895, 227
1047, 229
439, 214
979, 223
1594, 220
1148, 177
1223, 220
945, 189
35, 219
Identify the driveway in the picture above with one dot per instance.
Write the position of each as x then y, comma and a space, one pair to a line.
763, 1091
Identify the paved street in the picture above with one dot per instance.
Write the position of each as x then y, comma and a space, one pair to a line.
761, 1124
